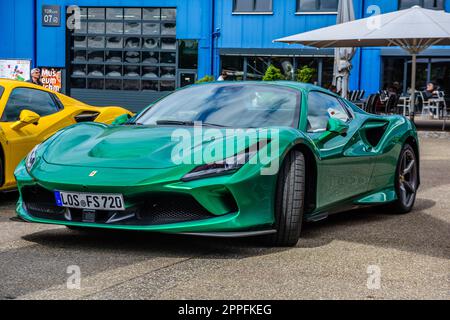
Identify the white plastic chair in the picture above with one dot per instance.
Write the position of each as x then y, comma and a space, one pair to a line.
429, 105
441, 100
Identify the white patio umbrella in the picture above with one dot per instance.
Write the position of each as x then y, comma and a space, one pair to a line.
413, 29
343, 56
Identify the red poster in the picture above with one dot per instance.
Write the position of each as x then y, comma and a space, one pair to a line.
51, 78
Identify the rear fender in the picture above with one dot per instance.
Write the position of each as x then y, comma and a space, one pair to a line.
109, 114
387, 152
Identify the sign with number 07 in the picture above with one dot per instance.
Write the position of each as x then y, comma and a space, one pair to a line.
51, 16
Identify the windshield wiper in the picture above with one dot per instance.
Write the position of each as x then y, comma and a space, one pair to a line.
187, 123
175, 122
213, 125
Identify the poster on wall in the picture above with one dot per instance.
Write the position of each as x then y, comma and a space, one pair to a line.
15, 69
51, 78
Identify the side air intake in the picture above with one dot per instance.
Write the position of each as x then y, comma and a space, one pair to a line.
86, 116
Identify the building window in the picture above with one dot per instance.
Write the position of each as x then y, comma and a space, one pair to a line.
257, 67
310, 62
428, 4
188, 54
317, 6
254, 67
397, 73
394, 74
125, 49
234, 67
286, 66
252, 6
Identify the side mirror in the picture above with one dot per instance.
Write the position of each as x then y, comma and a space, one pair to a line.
122, 119
335, 127
26, 117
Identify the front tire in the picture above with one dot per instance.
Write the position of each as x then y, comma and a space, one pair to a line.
289, 201
406, 181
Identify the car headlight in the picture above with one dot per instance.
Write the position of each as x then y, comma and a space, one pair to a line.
31, 158
222, 167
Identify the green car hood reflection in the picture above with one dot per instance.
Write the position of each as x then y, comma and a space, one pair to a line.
134, 147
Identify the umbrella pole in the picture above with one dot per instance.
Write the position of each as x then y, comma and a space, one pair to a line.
413, 86
344, 88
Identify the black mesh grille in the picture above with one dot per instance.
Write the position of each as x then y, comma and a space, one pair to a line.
40, 202
153, 210
170, 209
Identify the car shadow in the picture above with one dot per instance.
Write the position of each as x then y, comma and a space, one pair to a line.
158, 244
415, 232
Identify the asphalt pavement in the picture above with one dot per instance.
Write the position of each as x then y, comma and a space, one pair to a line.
362, 254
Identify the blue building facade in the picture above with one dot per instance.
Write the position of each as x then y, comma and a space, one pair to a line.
150, 47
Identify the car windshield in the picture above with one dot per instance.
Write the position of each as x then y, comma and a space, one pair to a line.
227, 105
1, 91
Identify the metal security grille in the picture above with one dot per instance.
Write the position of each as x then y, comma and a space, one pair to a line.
124, 49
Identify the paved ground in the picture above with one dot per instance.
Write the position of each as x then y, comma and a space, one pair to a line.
331, 261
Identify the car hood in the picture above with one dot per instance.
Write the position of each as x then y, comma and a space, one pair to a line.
147, 147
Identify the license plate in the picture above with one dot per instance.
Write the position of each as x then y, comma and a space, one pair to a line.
93, 201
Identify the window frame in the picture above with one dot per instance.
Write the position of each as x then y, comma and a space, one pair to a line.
312, 12
57, 101
422, 4
59, 106
338, 99
234, 12
165, 69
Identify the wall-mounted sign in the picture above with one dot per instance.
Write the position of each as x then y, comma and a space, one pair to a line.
15, 69
51, 16
51, 78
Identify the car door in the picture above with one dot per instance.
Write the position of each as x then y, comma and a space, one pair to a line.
21, 141
345, 168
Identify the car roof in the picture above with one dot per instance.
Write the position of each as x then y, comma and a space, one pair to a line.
299, 85
67, 100
9, 82
288, 84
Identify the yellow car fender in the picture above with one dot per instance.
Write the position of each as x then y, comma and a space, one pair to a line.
109, 114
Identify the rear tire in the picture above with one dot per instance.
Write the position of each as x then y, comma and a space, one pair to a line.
406, 181
289, 201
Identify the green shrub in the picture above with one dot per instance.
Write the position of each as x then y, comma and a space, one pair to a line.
305, 74
205, 79
273, 74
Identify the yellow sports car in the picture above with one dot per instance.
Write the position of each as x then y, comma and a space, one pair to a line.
31, 114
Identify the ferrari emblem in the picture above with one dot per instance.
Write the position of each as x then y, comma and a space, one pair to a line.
93, 173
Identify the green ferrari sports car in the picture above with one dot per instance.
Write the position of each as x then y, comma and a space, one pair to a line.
227, 159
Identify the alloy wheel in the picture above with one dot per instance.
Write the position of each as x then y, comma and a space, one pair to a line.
408, 178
